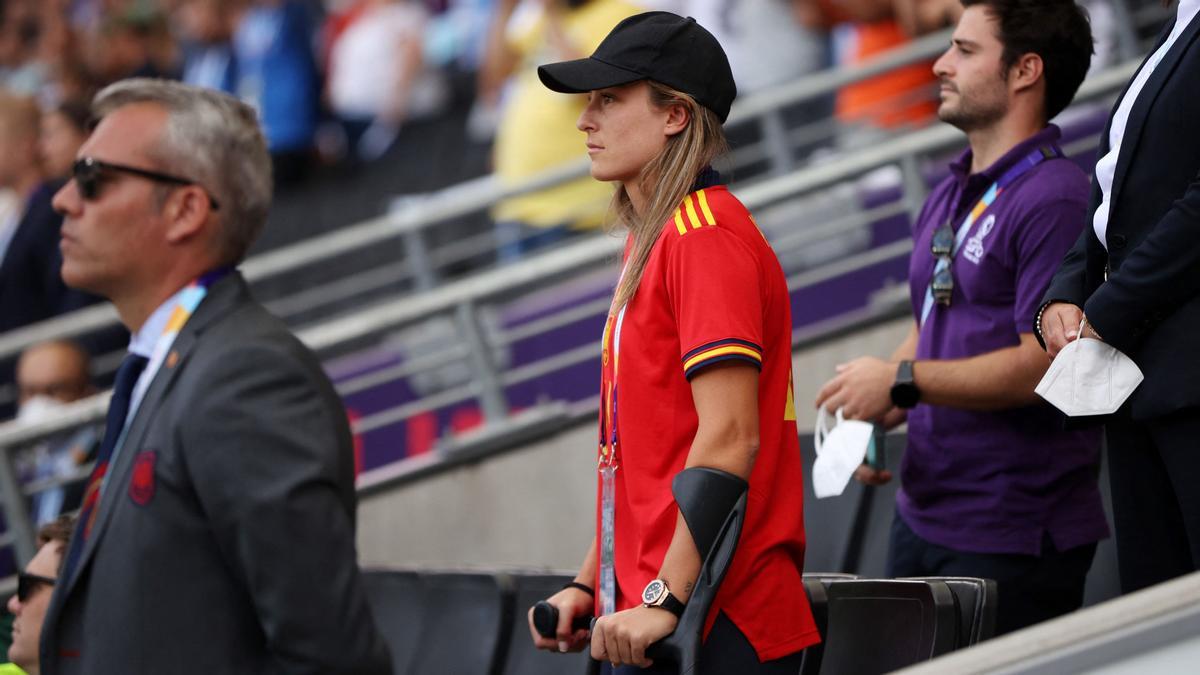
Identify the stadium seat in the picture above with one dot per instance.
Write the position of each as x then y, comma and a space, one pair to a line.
818, 600
466, 620
522, 658
977, 601
880, 625
397, 600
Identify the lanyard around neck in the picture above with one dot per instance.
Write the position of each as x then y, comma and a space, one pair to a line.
989, 197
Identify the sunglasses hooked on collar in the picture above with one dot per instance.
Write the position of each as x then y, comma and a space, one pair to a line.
28, 583
88, 175
942, 248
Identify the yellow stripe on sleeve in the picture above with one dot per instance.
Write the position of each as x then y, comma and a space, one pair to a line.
721, 351
708, 216
178, 317
691, 211
679, 222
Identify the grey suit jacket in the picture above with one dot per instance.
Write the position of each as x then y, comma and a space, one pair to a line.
224, 539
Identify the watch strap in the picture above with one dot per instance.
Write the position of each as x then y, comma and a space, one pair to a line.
670, 603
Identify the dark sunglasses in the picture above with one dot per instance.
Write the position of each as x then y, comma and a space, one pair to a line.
28, 583
942, 248
88, 173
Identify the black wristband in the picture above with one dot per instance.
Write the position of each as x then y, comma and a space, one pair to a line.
583, 587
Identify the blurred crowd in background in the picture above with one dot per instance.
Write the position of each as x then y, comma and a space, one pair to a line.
338, 83
339, 79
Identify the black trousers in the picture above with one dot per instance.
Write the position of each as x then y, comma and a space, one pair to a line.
1154, 474
726, 651
1032, 588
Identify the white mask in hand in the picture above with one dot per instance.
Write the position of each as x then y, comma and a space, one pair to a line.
840, 451
1089, 377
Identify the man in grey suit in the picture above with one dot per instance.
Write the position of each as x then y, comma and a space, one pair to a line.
217, 535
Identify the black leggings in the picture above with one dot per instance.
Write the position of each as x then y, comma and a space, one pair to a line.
725, 651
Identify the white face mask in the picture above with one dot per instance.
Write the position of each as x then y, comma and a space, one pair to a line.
1089, 377
840, 451
38, 409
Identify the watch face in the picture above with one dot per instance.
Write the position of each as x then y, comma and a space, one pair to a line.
905, 395
654, 590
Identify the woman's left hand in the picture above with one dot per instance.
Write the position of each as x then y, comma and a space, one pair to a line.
622, 638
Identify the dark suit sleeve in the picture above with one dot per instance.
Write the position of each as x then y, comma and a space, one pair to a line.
268, 450
1158, 275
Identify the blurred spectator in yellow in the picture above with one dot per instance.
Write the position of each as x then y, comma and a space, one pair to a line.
64, 128
537, 127
50, 375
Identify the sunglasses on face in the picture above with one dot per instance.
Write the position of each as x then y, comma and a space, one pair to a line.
88, 173
28, 583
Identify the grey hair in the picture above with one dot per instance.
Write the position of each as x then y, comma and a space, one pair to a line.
213, 139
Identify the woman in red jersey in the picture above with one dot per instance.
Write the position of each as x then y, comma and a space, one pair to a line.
696, 367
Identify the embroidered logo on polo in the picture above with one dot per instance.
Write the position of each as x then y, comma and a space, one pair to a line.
973, 251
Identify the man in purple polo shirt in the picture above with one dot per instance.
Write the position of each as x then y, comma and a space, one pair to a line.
991, 486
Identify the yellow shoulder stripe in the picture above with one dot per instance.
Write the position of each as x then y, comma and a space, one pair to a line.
697, 218
691, 211
708, 216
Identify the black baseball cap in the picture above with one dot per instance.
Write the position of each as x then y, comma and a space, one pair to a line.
659, 46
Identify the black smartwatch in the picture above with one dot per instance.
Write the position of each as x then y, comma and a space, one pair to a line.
658, 595
904, 391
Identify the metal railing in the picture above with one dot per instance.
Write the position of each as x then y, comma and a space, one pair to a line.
414, 216
461, 300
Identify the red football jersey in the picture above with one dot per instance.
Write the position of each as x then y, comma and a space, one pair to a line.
712, 291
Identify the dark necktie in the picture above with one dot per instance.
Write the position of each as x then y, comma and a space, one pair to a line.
118, 409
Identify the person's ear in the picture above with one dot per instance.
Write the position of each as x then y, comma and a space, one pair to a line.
678, 117
187, 213
1026, 72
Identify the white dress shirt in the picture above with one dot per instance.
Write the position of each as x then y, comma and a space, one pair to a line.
143, 343
1106, 168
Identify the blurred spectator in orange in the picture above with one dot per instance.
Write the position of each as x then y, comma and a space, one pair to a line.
64, 128
378, 76
865, 29
537, 128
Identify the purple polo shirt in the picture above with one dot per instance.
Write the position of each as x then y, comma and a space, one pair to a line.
996, 482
